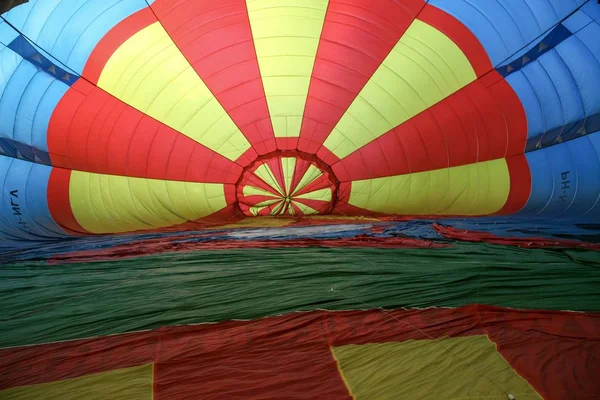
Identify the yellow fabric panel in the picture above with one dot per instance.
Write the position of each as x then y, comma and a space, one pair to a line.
442, 369
265, 173
474, 189
423, 68
149, 73
122, 384
286, 35
306, 210
311, 174
110, 203
254, 191
322, 194
289, 166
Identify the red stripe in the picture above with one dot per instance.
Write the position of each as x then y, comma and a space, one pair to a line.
475, 124
357, 36
92, 131
520, 184
461, 35
288, 356
215, 37
113, 40
59, 202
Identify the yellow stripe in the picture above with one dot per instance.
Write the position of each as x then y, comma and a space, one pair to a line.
276, 210
110, 204
323, 195
149, 73
306, 210
289, 166
474, 189
286, 35
133, 383
265, 173
423, 68
254, 191
311, 174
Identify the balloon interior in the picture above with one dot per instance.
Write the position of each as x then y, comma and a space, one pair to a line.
300, 199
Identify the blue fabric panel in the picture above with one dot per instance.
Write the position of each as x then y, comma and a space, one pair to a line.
577, 21
70, 29
506, 27
535, 77
28, 97
531, 53
583, 67
42, 60
530, 99
7, 33
565, 180
592, 9
594, 213
589, 36
563, 85
24, 213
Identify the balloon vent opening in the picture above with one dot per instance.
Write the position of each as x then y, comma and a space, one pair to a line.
287, 183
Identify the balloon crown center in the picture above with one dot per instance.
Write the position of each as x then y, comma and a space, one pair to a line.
287, 183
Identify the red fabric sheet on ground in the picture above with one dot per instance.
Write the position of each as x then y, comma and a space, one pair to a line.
289, 356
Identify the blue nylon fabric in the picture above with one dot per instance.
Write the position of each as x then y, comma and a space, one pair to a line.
28, 96
566, 180
24, 213
505, 27
559, 90
71, 29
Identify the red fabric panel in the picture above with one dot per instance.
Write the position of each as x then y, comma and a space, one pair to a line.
215, 37
520, 184
461, 35
93, 131
475, 124
172, 245
113, 39
562, 350
357, 36
71, 359
264, 372
288, 356
529, 242
287, 143
59, 202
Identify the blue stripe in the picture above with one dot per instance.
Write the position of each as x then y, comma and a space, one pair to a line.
28, 97
25, 49
70, 29
559, 90
24, 213
566, 180
505, 27
553, 39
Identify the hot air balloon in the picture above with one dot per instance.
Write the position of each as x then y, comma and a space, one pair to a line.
162, 161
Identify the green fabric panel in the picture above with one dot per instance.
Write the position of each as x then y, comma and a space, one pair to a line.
43, 303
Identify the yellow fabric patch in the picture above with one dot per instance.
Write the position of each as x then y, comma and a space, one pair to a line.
423, 68
474, 189
286, 35
121, 384
442, 369
149, 73
111, 204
